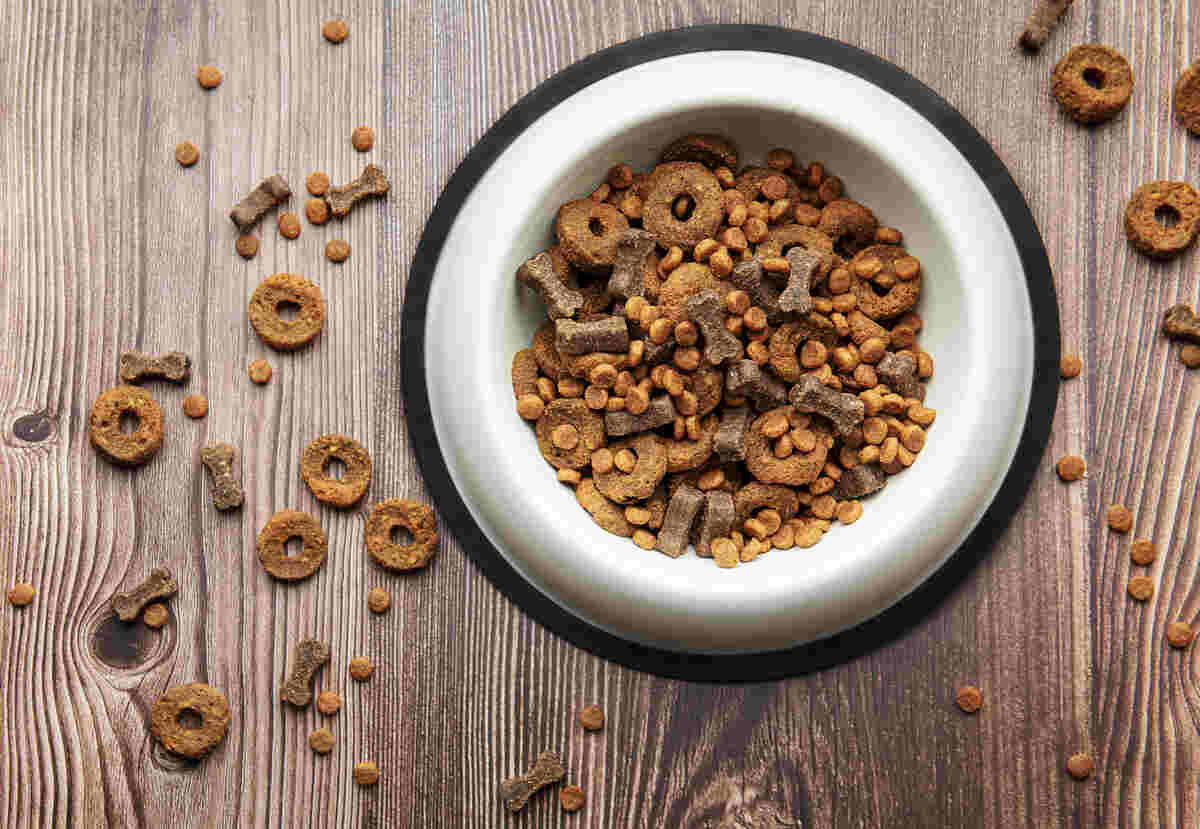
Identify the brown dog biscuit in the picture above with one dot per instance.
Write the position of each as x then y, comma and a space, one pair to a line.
417, 518
575, 413
284, 526
797, 469
860, 481
649, 469
1181, 323
899, 371
284, 289
803, 266
311, 655
221, 461
748, 276
844, 411
707, 312
588, 232
158, 585
709, 150
730, 440
524, 373
1186, 98
1042, 20
1179, 202
685, 454
708, 384
270, 192
660, 412
355, 480
850, 225
789, 337
548, 359
903, 294
104, 426
202, 700
606, 334
370, 182
744, 379
541, 274
516, 791
604, 512
781, 239
670, 182
1087, 64
677, 525
634, 249
136, 367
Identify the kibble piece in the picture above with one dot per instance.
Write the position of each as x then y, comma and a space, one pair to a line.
335, 31
1119, 518
155, 616
289, 225
321, 741
1070, 366
329, 703
195, 406
247, 246
1179, 634
271, 191
530, 406
317, 211
203, 700
337, 250
592, 718
849, 511
1189, 355
21, 594
160, 584
317, 183
311, 655
372, 181
208, 77
378, 600
361, 668
363, 138
969, 699
1141, 588
1041, 22
1092, 83
1071, 467
572, 798
259, 371
1079, 766
1142, 552
366, 773
516, 791
186, 154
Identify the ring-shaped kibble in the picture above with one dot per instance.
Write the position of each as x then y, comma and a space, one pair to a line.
355, 480
684, 455
588, 232
104, 425
750, 180
1179, 201
647, 472
797, 469
849, 225
1092, 83
709, 150
1186, 98
287, 289
755, 495
789, 337
668, 183
783, 238
418, 519
574, 412
284, 526
901, 297
202, 700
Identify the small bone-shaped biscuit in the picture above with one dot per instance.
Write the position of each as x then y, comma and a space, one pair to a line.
1180, 323
677, 523
609, 334
660, 412
844, 411
310, 656
730, 441
270, 192
745, 379
716, 521
1042, 19
749, 277
629, 275
221, 462
516, 791
538, 273
802, 265
174, 366
706, 311
859, 481
370, 182
158, 585
899, 371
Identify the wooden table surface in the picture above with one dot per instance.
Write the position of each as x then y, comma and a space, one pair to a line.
107, 244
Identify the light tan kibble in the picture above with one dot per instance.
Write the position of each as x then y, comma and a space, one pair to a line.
186, 154
208, 77
335, 31
21, 594
260, 372
1071, 467
155, 616
378, 600
361, 668
337, 250
363, 138
321, 741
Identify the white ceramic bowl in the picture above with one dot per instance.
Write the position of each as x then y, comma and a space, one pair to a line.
978, 327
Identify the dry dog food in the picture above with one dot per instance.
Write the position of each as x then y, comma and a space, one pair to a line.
592, 718
378, 600
1092, 83
969, 698
337, 250
1119, 518
1071, 467
366, 773
370, 182
202, 701
136, 367
21, 594
289, 225
572, 798
335, 31
1079, 766
270, 192
276, 292
1142, 552
221, 461
1187, 99
723, 350
284, 526
186, 154
104, 426
1141, 588
317, 183
155, 616
516, 791
321, 741
1041, 22
209, 77
246, 246
1179, 634
259, 371
363, 138
1070, 366
1177, 204
1181, 323
310, 656
195, 406
160, 584
361, 668
329, 703
392, 517
317, 211
354, 481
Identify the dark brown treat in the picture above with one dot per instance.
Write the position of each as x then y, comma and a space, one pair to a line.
660, 412
903, 294
850, 225
284, 526
1087, 64
667, 184
588, 232
158, 585
246, 213
708, 313
751, 180
744, 379
1187, 99
310, 656
749, 277
655, 353
1042, 20
688, 280
1178, 203
516, 791
370, 182
355, 480
730, 441
899, 372
634, 249
104, 426
677, 525
221, 461
844, 411
287, 289
716, 520
604, 512
798, 468
202, 700
539, 274
608, 334
802, 271
575, 413
860, 481
174, 366
418, 519
683, 455
710, 150
755, 495
1180, 323
650, 468
791, 336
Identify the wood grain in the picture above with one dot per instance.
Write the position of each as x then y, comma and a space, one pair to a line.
109, 245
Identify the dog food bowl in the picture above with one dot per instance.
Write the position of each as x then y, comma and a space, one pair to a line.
990, 323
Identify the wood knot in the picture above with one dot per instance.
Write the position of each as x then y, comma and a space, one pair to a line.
34, 427
124, 651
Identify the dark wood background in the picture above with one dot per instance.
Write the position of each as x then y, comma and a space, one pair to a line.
106, 244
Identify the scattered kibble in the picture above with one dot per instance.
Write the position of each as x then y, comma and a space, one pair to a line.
337, 250
317, 183
317, 211
379, 600
321, 741
335, 31
289, 225
186, 154
1142, 552
969, 698
516, 791
361, 668
1070, 366
247, 246
1179, 634
195, 406
1071, 467
1189, 355
366, 773
592, 718
1079, 766
259, 371
329, 702
21, 594
572, 798
155, 616
208, 77
1141, 588
1119, 518
363, 138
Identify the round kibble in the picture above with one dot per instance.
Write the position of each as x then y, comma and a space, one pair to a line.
316, 211
1071, 467
604, 376
366, 773
1087, 64
19, 595
530, 406
186, 154
572, 798
363, 138
755, 318
1069, 366
104, 426
686, 333
335, 31
354, 481
1142, 552
1189, 355
195, 406
378, 600
413, 516
1141, 588
1119, 518
813, 353
155, 616
260, 372
660, 330
281, 528
321, 741
849, 511
329, 702
247, 246
1181, 204
737, 302
289, 225
569, 476
969, 698
625, 461
317, 183
208, 77
361, 668
602, 461
711, 479
644, 539
1079, 766
565, 437
1179, 634
203, 700
337, 250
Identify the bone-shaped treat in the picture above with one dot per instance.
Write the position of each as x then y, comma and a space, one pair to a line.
310, 656
174, 366
802, 266
749, 277
1180, 323
730, 441
158, 585
859, 481
745, 379
370, 182
516, 791
660, 412
221, 461
655, 353
844, 411
629, 275
899, 371
538, 273
707, 312
1042, 20
609, 334
716, 521
270, 192
677, 523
